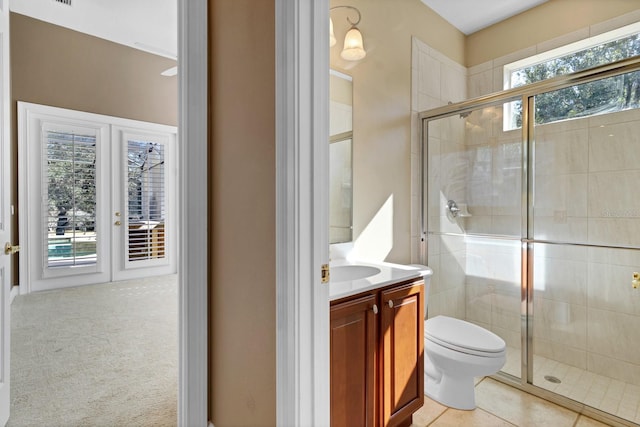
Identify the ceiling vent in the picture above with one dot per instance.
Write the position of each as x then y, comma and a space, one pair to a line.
65, 2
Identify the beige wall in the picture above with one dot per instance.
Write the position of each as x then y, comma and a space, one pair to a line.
242, 192
547, 21
52, 65
382, 116
55, 66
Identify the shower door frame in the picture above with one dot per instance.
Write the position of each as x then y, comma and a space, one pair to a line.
527, 96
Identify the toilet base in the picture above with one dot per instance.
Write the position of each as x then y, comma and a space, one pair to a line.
458, 393
449, 373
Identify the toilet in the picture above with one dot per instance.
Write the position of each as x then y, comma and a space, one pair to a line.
455, 352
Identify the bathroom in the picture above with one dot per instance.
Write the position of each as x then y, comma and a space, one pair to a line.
583, 255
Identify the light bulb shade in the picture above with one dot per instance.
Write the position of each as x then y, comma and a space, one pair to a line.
332, 36
353, 46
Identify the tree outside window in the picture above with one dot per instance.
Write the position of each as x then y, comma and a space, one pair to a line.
604, 96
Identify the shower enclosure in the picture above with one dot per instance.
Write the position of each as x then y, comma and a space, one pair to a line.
531, 223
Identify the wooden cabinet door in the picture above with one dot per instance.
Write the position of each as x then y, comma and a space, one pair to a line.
353, 362
402, 331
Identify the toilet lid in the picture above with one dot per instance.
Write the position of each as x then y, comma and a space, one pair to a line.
463, 336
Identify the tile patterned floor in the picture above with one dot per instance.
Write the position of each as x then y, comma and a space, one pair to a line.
600, 392
501, 405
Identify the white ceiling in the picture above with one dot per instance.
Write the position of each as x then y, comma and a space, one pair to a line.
470, 16
150, 25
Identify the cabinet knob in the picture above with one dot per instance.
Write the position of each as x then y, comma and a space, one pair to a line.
375, 309
390, 304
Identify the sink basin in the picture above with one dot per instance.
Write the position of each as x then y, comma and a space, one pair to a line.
347, 273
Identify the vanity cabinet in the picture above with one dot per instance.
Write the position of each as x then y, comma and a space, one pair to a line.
377, 361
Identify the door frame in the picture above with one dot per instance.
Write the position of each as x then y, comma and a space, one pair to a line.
7, 230
302, 214
302, 134
193, 59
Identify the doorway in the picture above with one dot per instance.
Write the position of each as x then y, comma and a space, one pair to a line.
192, 101
97, 197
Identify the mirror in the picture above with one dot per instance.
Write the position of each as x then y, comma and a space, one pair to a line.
340, 149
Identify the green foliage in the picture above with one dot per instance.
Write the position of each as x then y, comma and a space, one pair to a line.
71, 176
606, 95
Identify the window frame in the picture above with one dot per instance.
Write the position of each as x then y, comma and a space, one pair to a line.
566, 50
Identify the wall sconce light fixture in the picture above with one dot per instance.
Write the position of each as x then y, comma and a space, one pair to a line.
353, 49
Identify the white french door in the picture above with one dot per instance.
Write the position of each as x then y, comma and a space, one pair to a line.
143, 203
96, 196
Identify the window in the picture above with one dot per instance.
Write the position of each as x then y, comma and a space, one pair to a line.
70, 191
146, 195
604, 96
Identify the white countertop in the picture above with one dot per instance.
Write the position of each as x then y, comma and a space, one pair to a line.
389, 274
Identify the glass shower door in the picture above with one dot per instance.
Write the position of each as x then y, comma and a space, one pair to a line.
585, 223
473, 215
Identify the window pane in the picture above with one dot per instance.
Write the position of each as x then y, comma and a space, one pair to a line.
70, 191
603, 96
146, 200
599, 97
606, 53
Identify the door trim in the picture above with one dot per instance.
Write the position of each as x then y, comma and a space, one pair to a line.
193, 58
302, 200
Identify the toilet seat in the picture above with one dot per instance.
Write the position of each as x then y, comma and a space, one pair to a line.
459, 335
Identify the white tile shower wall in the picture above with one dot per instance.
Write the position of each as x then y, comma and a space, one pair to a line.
585, 178
493, 286
436, 81
447, 293
494, 176
584, 306
614, 309
587, 171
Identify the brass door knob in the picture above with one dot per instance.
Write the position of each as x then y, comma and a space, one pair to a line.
10, 249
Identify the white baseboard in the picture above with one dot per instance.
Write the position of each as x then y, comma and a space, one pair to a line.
15, 290
211, 424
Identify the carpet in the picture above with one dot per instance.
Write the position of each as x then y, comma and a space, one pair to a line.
98, 355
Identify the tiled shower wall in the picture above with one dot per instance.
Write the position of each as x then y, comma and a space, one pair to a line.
437, 81
586, 310
586, 171
494, 199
